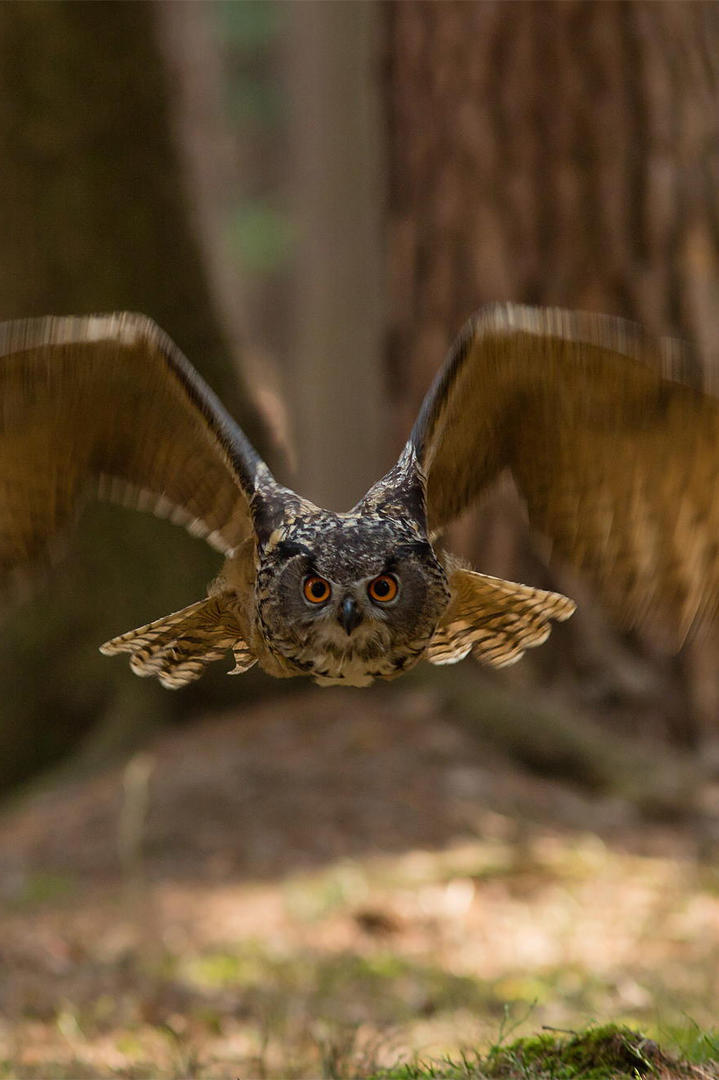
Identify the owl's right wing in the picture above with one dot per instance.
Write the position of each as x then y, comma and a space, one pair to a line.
108, 404
612, 440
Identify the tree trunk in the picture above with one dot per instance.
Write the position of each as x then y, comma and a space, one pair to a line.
337, 316
552, 153
94, 217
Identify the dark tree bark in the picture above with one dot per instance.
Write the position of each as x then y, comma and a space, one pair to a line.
553, 153
94, 217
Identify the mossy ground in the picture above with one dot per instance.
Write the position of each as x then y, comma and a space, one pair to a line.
603, 1053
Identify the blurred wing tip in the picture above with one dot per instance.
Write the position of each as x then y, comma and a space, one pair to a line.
123, 327
672, 358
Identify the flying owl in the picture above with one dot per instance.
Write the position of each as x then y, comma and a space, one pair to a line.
608, 434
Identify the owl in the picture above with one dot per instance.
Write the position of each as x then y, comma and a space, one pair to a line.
609, 435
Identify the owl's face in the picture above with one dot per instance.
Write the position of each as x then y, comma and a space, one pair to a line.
348, 598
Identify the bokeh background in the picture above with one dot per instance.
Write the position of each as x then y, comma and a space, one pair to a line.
311, 198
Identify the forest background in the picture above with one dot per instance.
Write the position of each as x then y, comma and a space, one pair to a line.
311, 198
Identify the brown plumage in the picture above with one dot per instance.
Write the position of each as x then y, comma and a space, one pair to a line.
611, 440
611, 437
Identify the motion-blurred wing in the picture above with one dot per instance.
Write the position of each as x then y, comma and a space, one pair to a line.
610, 439
109, 403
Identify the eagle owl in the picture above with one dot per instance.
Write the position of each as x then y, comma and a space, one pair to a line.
608, 434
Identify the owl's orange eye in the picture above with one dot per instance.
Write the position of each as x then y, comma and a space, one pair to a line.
316, 589
383, 589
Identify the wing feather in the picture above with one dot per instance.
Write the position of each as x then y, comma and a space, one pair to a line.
495, 620
612, 437
108, 405
177, 648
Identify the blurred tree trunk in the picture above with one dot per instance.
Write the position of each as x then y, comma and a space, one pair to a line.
335, 170
554, 153
94, 217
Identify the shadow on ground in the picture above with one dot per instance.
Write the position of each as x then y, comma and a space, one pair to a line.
367, 870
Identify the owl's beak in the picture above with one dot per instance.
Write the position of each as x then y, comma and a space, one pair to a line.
349, 615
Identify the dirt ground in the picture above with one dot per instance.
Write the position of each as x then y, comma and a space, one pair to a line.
337, 879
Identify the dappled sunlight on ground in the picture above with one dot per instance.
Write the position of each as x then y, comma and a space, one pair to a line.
318, 882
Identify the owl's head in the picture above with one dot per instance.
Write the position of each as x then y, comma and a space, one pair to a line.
347, 598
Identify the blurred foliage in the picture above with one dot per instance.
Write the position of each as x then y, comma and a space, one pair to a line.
248, 33
250, 25
259, 230
261, 237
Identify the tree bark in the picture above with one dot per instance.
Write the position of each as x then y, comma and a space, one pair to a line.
94, 217
556, 153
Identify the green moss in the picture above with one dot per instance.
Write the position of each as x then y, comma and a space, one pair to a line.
593, 1055
602, 1053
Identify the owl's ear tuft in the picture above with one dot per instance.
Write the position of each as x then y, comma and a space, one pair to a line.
267, 517
400, 493
494, 620
273, 508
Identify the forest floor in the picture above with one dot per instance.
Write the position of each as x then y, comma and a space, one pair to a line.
335, 882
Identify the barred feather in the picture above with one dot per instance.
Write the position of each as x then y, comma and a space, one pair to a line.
495, 620
178, 648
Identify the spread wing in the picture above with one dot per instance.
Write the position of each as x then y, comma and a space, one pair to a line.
109, 403
612, 440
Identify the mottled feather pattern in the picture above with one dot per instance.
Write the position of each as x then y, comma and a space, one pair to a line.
349, 550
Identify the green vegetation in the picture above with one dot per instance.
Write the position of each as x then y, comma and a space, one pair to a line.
609, 1052
602, 1053
261, 237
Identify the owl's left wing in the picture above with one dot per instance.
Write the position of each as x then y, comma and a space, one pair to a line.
611, 439
108, 405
